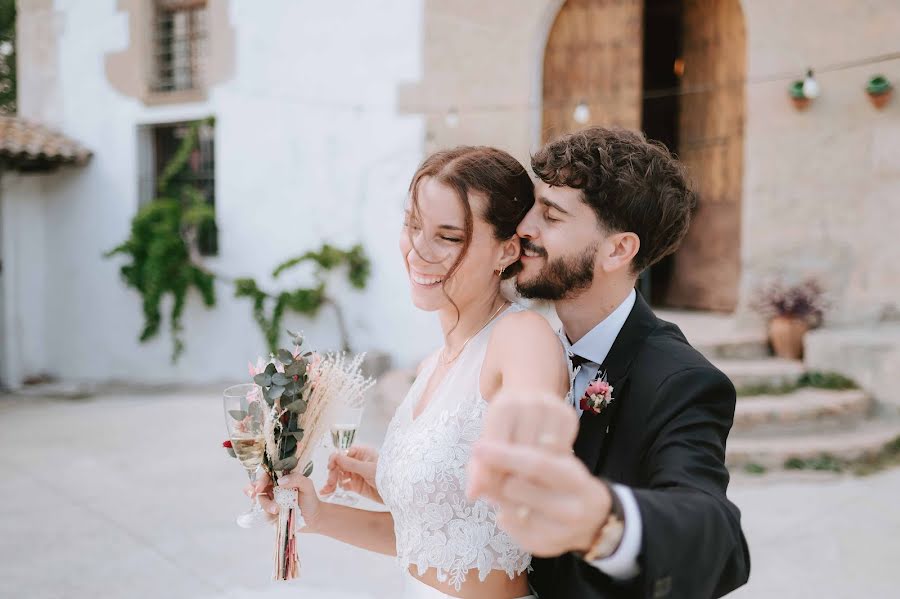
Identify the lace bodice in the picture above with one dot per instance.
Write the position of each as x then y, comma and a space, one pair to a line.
421, 476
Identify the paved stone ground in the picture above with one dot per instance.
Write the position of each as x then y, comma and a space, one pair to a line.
131, 496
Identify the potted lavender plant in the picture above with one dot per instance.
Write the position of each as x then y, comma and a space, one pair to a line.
792, 311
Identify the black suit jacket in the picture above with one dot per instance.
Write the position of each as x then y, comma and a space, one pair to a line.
667, 428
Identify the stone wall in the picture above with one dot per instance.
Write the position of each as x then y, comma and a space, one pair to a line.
821, 187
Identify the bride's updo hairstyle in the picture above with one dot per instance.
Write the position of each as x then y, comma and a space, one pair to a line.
493, 173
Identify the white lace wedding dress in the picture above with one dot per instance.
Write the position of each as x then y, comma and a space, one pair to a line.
421, 477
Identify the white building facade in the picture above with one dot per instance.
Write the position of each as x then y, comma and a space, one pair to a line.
308, 148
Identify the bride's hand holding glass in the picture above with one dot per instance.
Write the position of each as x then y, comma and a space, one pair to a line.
354, 472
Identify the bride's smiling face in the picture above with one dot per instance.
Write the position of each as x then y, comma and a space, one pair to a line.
434, 237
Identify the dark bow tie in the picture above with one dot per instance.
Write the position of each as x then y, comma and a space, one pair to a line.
579, 361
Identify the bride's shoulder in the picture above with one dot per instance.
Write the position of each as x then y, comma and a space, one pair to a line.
524, 326
525, 350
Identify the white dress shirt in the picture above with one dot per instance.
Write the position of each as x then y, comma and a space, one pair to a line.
594, 346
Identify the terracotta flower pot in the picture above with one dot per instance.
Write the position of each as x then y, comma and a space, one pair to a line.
798, 97
801, 103
786, 334
879, 100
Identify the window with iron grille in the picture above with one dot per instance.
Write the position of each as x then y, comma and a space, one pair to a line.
179, 44
159, 143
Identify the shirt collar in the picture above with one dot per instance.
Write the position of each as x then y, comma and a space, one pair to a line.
595, 345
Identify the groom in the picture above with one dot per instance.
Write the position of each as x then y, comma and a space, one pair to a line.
638, 509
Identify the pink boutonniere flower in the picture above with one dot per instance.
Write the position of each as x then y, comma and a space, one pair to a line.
597, 396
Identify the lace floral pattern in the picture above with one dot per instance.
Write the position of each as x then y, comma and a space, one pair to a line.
421, 477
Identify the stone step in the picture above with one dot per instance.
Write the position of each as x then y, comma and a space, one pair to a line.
868, 354
750, 347
804, 410
773, 452
769, 372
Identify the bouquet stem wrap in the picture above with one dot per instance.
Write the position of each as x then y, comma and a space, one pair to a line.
287, 561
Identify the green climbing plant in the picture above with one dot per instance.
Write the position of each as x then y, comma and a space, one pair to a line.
159, 248
269, 309
7, 57
163, 259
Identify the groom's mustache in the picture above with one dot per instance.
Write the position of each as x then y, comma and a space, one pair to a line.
528, 245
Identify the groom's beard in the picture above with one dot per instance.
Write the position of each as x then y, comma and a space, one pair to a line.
560, 278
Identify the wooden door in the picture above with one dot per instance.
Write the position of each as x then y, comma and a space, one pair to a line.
706, 269
593, 54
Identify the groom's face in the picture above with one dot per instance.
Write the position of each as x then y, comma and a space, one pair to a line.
560, 237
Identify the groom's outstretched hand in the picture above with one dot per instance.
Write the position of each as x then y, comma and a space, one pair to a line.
549, 502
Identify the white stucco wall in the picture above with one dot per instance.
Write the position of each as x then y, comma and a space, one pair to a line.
297, 163
24, 255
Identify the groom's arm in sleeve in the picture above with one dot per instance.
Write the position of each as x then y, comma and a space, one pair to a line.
622, 564
692, 544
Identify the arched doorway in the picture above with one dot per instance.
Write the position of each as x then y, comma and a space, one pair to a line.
674, 68
593, 56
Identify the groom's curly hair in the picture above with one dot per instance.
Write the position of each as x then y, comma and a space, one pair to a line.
631, 183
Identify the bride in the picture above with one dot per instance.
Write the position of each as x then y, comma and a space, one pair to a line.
458, 243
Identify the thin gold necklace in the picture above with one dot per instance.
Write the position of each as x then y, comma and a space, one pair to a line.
444, 361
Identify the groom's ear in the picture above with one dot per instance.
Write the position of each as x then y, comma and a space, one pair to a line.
619, 250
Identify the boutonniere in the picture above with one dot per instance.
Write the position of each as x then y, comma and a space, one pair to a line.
598, 395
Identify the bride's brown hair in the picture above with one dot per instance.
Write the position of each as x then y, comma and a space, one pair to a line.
495, 174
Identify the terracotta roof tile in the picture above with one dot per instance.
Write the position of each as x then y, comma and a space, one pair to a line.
26, 145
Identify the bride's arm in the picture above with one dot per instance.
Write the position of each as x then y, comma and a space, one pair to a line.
373, 531
524, 355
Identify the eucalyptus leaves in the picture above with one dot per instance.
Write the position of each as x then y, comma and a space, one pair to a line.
298, 387
286, 388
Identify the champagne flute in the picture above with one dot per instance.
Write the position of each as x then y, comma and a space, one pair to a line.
244, 418
343, 432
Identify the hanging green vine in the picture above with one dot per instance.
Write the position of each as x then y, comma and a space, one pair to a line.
306, 301
163, 260
160, 257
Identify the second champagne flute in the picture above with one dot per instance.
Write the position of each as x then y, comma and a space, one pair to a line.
343, 433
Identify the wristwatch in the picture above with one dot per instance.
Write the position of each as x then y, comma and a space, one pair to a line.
610, 533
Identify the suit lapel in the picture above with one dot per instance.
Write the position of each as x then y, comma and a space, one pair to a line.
594, 429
